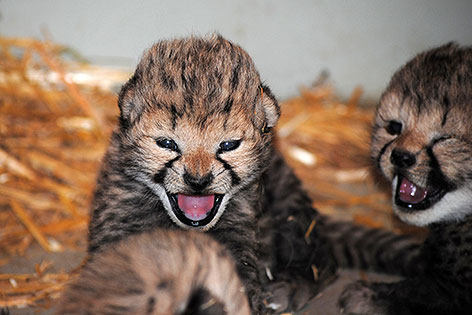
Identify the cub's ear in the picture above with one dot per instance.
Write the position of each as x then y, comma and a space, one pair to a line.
269, 107
129, 103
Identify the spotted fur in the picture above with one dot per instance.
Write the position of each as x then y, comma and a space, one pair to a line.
159, 272
422, 143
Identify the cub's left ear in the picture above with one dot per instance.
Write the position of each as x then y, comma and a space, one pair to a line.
269, 107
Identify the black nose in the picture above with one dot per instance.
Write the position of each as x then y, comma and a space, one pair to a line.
402, 158
198, 183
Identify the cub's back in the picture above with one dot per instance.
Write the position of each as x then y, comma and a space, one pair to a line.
161, 272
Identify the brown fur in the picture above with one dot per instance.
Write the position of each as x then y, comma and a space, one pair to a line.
161, 272
188, 99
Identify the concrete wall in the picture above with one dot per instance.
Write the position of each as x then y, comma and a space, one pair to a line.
358, 42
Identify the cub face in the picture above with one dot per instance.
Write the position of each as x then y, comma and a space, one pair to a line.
422, 136
195, 126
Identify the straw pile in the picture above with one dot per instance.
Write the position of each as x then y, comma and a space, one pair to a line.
53, 132
327, 143
55, 119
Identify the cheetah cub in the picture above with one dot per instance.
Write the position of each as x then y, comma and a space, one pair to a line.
422, 143
194, 149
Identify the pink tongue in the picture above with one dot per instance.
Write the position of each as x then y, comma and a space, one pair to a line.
410, 193
195, 207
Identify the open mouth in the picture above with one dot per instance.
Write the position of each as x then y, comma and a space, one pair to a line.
409, 196
195, 210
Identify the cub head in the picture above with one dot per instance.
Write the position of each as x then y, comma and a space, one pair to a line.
195, 126
422, 136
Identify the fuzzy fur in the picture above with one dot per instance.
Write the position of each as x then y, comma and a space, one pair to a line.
184, 272
187, 100
429, 102
201, 92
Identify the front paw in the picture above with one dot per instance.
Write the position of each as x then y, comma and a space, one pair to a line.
286, 297
361, 298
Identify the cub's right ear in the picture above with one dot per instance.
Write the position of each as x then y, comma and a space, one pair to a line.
128, 102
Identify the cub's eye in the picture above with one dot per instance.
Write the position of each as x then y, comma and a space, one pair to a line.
394, 127
167, 144
266, 129
229, 145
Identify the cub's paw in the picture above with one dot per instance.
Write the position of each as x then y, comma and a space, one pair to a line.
287, 296
277, 298
361, 298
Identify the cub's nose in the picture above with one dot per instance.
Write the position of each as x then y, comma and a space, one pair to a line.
198, 183
402, 159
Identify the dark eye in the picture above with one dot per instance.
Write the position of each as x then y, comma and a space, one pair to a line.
167, 144
229, 145
394, 127
266, 129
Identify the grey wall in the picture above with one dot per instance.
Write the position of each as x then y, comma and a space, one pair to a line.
358, 42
